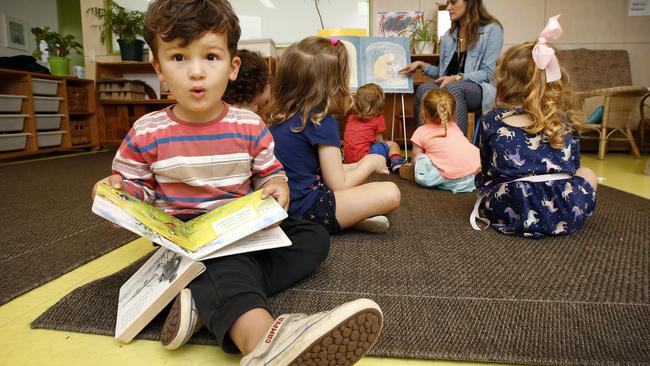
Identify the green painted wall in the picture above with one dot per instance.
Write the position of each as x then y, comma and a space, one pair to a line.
69, 18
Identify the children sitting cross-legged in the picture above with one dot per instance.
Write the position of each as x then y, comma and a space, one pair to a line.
443, 156
308, 94
252, 88
365, 126
201, 153
531, 182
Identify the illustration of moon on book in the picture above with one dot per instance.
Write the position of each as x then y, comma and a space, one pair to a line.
378, 60
383, 62
165, 269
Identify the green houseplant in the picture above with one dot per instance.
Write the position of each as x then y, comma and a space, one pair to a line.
423, 38
58, 47
126, 24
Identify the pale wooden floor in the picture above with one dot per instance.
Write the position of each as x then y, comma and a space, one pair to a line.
21, 345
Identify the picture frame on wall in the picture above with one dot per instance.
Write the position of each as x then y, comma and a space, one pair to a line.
16, 33
397, 23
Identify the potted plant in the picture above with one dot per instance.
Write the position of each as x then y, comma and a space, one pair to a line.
126, 24
423, 38
58, 47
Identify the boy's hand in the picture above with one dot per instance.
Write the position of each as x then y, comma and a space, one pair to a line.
279, 189
114, 180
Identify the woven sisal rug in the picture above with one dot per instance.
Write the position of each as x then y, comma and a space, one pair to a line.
449, 292
46, 226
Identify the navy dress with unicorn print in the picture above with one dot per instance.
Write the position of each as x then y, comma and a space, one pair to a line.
527, 208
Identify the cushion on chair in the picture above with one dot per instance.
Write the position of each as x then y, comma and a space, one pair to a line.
597, 116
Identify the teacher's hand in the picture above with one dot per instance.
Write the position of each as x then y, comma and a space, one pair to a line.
444, 80
411, 68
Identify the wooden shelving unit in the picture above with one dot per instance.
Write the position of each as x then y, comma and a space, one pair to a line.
77, 109
115, 117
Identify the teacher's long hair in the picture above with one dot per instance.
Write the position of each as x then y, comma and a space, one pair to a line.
476, 16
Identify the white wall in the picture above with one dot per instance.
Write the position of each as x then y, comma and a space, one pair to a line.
593, 24
37, 13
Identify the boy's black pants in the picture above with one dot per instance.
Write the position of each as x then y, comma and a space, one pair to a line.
233, 285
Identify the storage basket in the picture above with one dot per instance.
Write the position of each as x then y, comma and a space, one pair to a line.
47, 104
12, 122
11, 103
48, 121
80, 132
77, 99
44, 86
52, 138
13, 141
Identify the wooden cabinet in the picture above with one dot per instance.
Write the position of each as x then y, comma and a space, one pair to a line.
57, 113
116, 116
393, 104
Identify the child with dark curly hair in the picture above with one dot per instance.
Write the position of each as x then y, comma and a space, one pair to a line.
252, 87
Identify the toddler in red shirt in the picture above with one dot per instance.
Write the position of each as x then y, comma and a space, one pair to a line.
364, 129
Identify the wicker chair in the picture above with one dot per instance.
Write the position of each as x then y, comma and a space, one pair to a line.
644, 121
619, 107
605, 74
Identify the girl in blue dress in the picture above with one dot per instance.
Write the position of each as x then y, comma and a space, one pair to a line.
309, 95
531, 183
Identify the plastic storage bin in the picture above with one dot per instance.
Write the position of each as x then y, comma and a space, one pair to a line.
50, 138
48, 121
12, 122
47, 104
11, 103
13, 141
44, 86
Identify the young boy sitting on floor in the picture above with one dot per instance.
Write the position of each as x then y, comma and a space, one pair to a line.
202, 153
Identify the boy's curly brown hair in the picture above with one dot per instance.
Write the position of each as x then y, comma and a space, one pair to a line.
188, 20
253, 76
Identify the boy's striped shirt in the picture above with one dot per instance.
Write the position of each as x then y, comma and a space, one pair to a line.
185, 167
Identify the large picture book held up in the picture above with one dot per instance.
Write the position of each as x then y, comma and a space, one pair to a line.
150, 289
235, 227
378, 60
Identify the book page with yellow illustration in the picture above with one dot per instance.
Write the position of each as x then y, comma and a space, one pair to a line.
235, 227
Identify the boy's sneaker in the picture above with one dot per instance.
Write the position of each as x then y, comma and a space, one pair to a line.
340, 336
182, 321
396, 162
407, 171
376, 224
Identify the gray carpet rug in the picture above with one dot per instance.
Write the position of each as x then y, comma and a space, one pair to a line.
46, 226
449, 292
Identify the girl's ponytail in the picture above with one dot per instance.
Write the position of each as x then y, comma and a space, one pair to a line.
441, 104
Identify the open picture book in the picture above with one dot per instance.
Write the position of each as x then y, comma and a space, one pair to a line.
235, 227
378, 60
150, 289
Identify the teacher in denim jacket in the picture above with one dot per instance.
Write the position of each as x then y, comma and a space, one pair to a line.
468, 55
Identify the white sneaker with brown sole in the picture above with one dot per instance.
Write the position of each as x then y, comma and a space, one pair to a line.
181, 322
341, 336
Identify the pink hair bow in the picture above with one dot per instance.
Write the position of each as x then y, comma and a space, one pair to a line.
543, 55
334, 41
